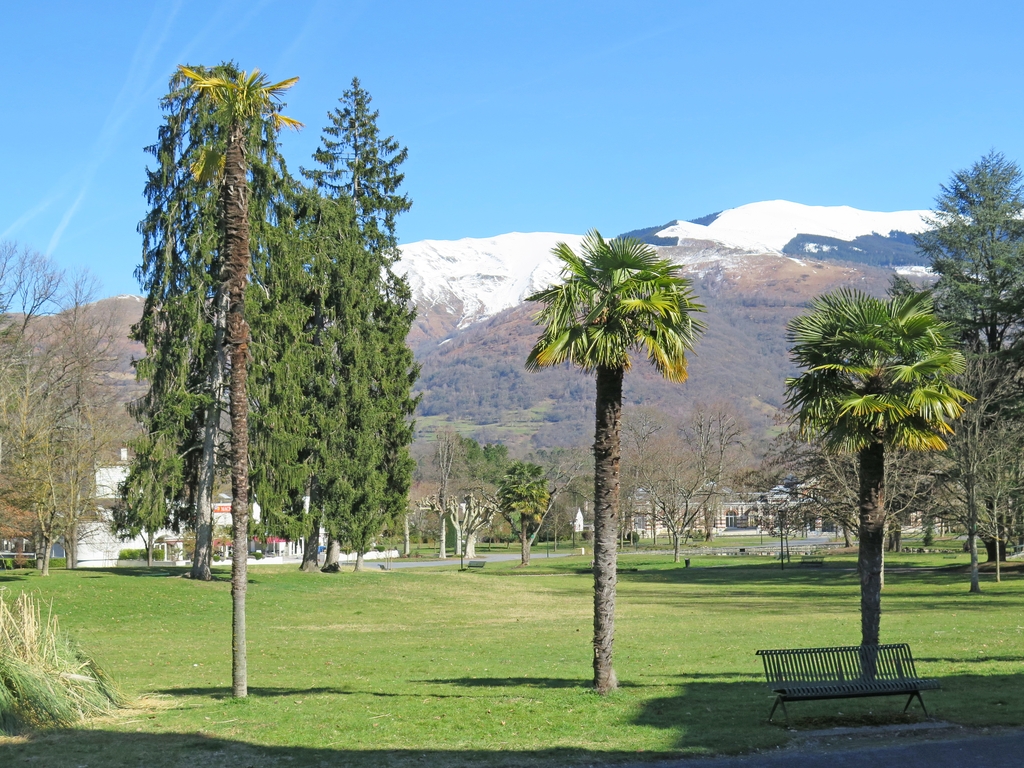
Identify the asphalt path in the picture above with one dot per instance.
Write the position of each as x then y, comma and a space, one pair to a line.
1002, 750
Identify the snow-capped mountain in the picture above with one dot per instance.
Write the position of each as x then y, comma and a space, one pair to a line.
475, 278
479, 277
770, 226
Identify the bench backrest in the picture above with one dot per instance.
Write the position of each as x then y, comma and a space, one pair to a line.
848, 663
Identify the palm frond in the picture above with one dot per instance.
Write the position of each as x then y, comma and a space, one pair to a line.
874, 370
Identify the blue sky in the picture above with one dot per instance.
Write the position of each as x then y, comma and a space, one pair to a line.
521, 116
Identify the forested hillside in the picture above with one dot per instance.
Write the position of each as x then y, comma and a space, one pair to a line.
474, 380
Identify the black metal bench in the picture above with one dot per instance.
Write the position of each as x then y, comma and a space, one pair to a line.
854, 671
476, 563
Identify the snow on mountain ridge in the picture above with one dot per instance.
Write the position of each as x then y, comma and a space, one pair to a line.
768, 226
475, 278
479, 277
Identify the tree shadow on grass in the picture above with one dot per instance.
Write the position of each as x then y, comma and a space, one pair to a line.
262, 692
522, 682
164, 572
700, 714
75, 748
704, 712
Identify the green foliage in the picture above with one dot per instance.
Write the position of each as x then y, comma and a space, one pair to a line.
523, 497
140, 554
356, 164
332, 376
617, 296
976, 245
485, 463
929, 533
46, 679
874, 371
32, 563
180, 275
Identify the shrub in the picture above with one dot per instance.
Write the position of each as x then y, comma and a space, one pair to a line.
46, 679
140, 554
929, 534
257, 555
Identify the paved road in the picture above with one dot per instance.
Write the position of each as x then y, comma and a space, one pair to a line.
996, 751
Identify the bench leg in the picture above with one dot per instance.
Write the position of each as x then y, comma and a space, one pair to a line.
911, 699
920, 699
778, 700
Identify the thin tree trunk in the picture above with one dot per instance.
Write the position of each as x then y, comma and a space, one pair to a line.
150, 535
972, 545
71, 545
872, 540
444, 536
202, 557
359, 561
235, 217
675, 547
972, 537
406, 545
606, 521
43, 558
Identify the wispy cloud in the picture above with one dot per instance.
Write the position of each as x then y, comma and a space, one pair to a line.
128, 99
32, 212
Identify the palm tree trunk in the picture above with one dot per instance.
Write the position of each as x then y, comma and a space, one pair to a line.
872, 539
524, 541
235, 201
606, 521
202, 557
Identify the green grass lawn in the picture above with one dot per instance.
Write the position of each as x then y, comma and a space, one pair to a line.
425, 666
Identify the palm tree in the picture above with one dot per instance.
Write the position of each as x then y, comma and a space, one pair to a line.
876, 376
617, 297
245, 100
523, 496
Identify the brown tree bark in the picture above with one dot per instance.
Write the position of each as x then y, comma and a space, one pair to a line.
332, 557
606, 521
311, 550
202, 556
524, 541
43, 557
235, 213
872, 536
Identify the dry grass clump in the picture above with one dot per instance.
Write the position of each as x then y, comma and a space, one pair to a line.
46, 679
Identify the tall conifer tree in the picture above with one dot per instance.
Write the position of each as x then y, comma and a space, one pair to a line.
365, 483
